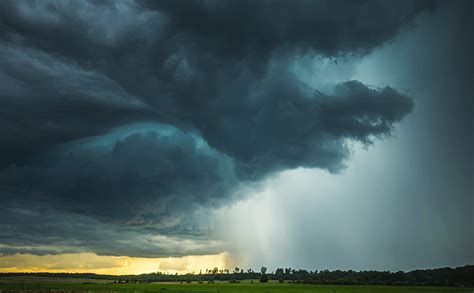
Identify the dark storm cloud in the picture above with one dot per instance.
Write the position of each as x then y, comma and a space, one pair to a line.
245, 28
47, 100
169, 173
46, 230
218, 71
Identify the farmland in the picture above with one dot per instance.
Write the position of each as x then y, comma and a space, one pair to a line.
43, 284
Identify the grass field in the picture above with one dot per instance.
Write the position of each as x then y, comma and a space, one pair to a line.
45, 284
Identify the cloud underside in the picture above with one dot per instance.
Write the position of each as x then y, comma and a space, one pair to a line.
123, 123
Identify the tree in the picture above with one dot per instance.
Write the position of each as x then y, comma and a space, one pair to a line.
279, 273
263, 276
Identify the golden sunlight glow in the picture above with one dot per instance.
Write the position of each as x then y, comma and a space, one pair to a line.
113, 265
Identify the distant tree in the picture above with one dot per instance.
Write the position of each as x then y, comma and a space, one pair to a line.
263, 276
236, 270
279, 274
458, 277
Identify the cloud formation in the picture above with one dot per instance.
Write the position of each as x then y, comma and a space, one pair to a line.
137, 117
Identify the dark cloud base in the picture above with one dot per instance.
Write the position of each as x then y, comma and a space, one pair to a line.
210, 104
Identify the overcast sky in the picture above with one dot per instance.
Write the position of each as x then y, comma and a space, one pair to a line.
335, 134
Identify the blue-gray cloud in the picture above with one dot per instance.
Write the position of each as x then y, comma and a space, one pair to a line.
217, 73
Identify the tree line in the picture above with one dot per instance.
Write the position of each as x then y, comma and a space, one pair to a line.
452, 277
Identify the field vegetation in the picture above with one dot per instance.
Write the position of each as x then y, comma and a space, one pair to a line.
226, 281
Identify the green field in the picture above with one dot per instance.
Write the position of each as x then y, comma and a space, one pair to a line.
44, 284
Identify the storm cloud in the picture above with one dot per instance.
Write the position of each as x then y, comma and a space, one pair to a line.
138, 117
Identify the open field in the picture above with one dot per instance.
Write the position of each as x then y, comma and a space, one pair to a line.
45, 284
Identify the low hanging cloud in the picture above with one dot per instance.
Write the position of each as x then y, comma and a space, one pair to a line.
138, 117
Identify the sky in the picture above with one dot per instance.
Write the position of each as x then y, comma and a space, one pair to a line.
139, 136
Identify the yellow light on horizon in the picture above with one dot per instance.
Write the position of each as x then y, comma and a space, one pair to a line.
112, 265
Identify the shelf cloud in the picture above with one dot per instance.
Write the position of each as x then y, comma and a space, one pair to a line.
123, 123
